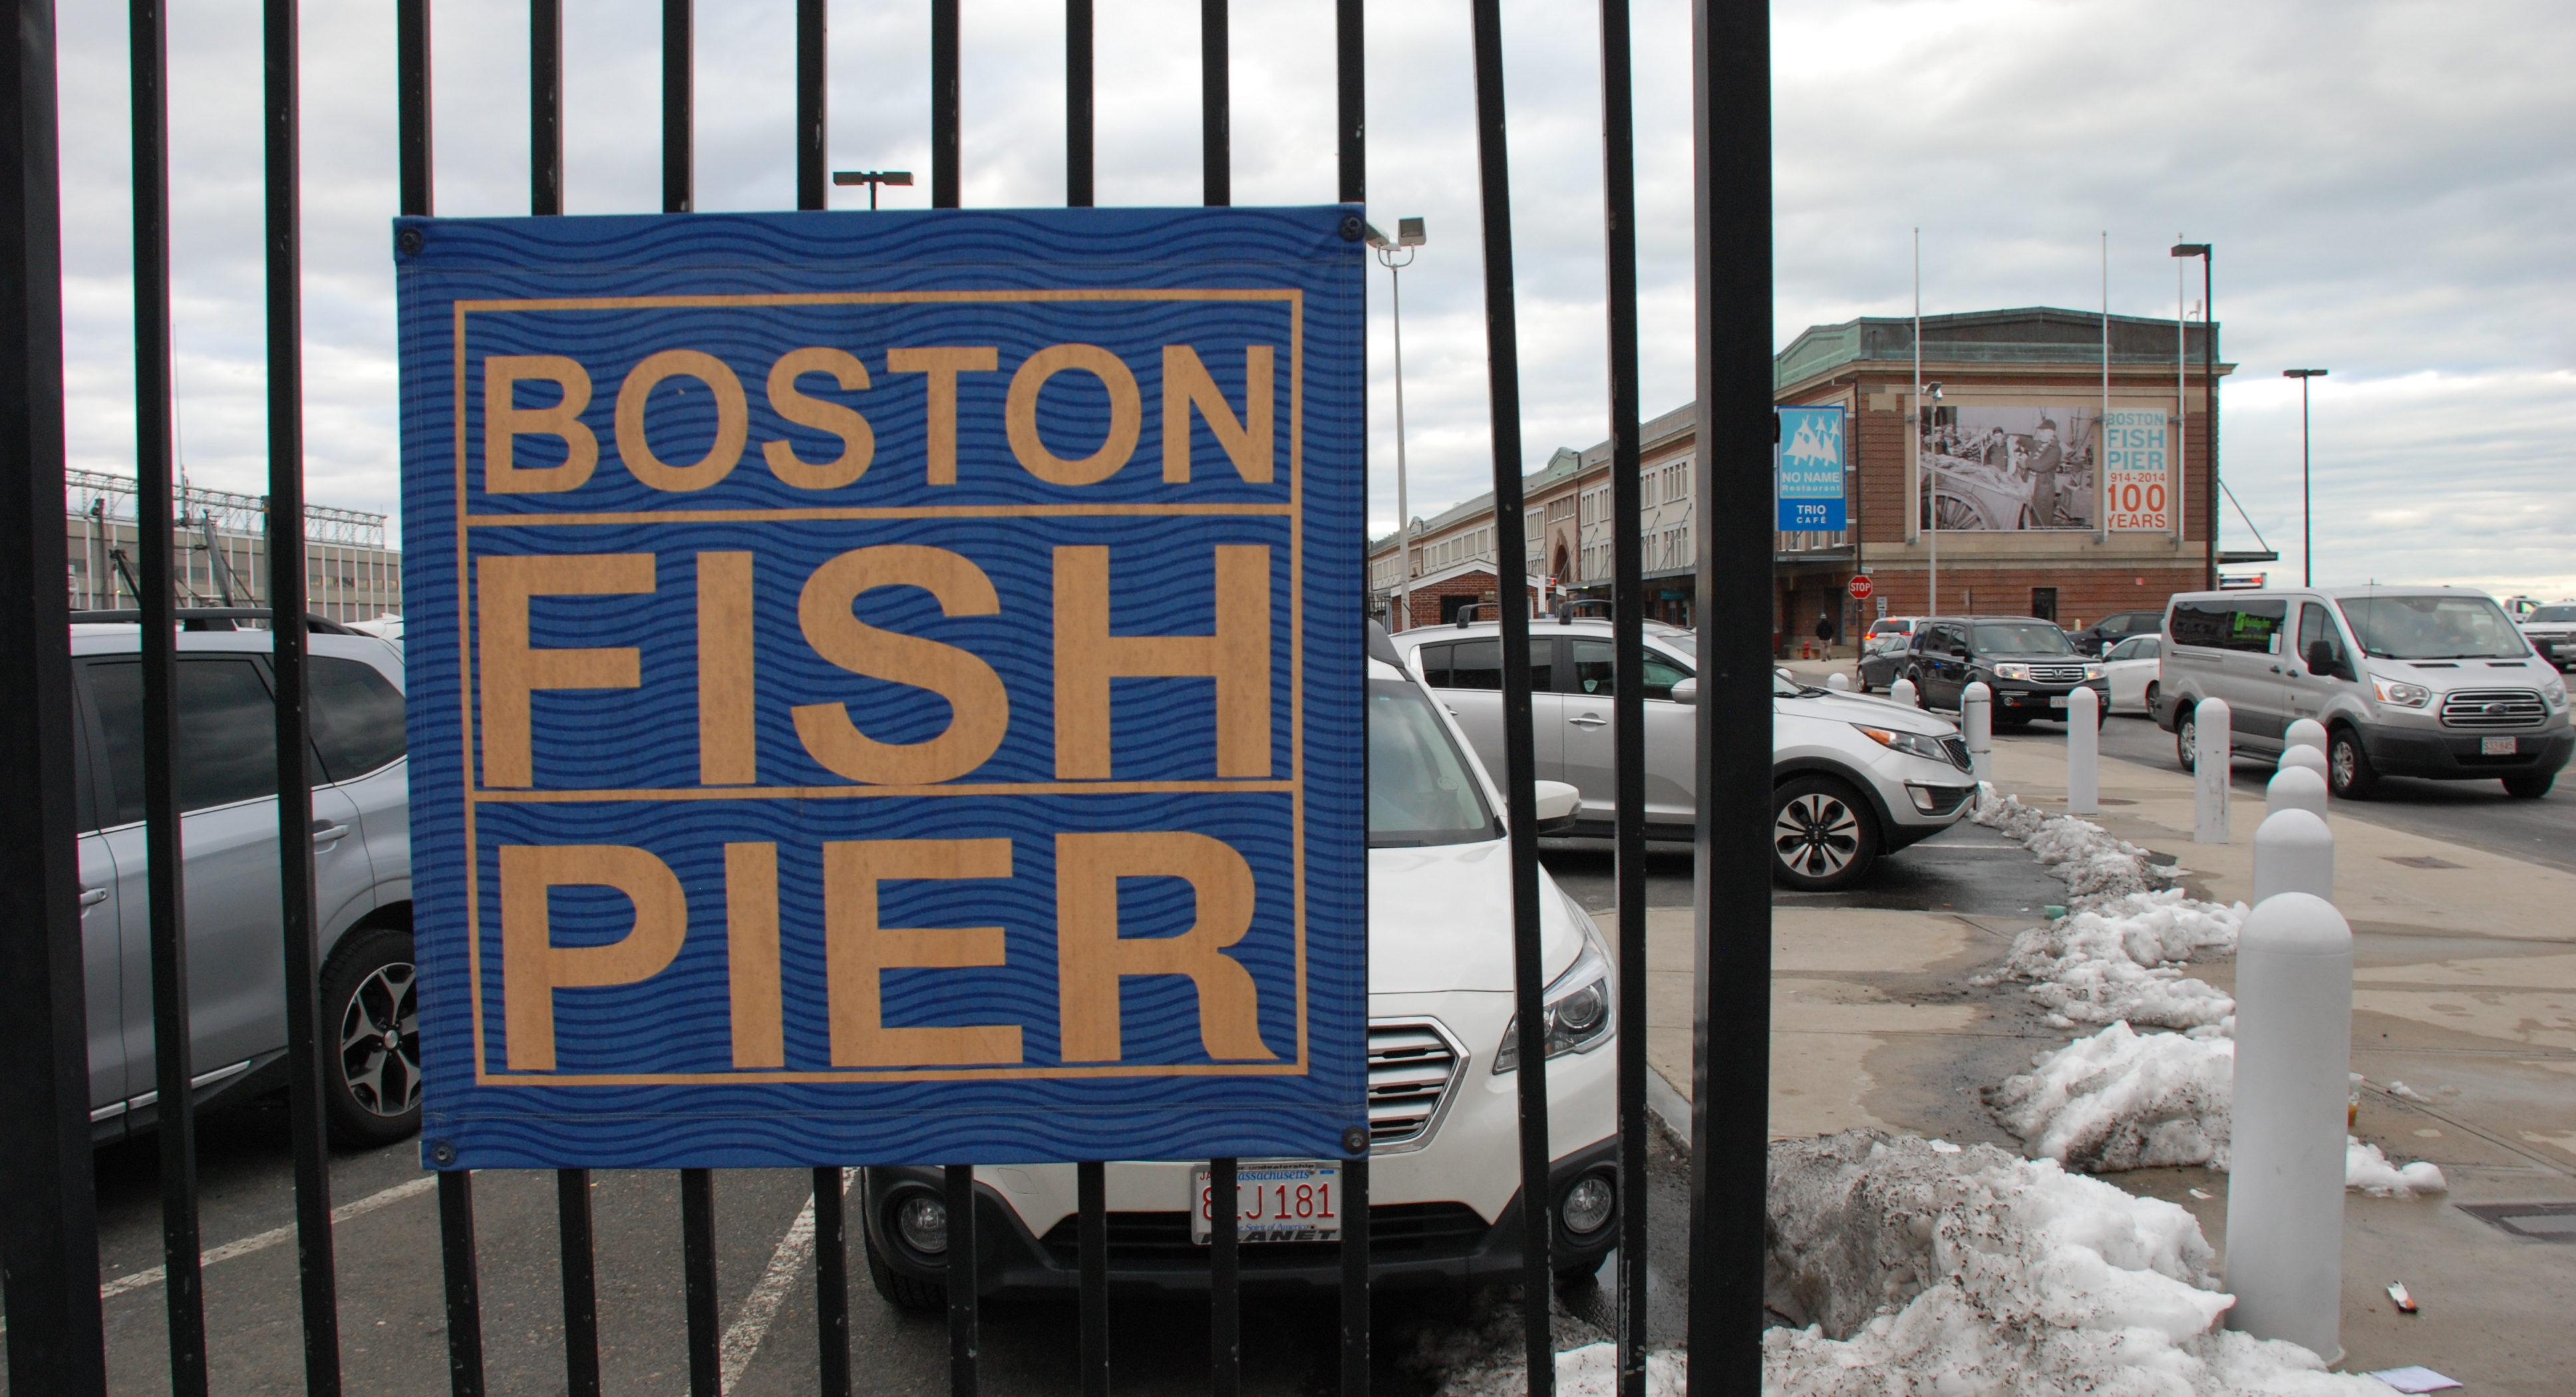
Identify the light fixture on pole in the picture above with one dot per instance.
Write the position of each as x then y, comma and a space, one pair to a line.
1408, 236
2307, 537
871, 178
2209, 390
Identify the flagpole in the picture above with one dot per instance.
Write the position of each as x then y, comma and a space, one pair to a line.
1922, 468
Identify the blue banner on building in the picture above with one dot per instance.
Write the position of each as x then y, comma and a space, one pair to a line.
886, 688
1810, 462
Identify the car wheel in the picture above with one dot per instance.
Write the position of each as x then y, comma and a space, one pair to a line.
1921, 700
1823, 837
902, 1292
2151, 698
2530, 787
2348, 771
370, 998
2187, 740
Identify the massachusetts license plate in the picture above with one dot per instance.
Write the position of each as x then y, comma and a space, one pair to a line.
2057, 700
1280, 1200
2495, 746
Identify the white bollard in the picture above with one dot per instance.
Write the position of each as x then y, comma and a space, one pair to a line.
1977, 724
1902, 691
2293, 853
2305, 758
2285, 1184
2305, 732
2295, 788
2209, 758
2083, 752
1839, 682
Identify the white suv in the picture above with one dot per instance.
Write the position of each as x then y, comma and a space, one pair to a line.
1853, 777
1444, 1171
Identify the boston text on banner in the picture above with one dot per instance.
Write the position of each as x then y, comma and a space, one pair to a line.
886, 688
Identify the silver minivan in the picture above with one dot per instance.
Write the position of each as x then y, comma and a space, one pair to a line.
226, 770
2430, 682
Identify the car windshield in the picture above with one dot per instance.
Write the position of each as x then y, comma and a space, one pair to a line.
2552, 613
2433, 628
1420, 789
2028, 638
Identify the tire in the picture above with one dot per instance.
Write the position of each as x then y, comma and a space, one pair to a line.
2530, 787
1824, 837
902, 1292
371, 1004
2186, 741
2151, 698
1920, 701
2349, 774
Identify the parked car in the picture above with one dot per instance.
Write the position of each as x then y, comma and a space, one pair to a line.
2551, 629
2024, 660
2098, 638
225, 766
1882, 652
1444, 1165
2132, 670
2432, 682
1853, 778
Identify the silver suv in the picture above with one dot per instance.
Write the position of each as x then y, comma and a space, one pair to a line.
227, 783
1853, 777
2552, 632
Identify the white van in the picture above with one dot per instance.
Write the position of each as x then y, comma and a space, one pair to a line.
2431, 682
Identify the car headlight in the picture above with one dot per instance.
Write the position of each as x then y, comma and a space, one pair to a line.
1912, 744
2556, 693
2012, 671
1581, 1006
2092, 671
2403, 695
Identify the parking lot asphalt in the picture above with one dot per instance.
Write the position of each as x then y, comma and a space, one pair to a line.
1966, 868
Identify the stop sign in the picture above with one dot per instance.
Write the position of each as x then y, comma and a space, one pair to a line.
1861, 587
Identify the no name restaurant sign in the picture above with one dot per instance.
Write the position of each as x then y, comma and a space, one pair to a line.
886, 687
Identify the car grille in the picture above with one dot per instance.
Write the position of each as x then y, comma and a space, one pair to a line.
1411, 1065
1395, 1229
2492, 708
2057, 674
1957, 747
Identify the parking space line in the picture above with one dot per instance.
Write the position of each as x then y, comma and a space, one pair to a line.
760, 1309
262, 1241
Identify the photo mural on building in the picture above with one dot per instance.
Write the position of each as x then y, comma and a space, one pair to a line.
2002, 468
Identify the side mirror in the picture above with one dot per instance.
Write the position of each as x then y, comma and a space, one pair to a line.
1559, 807
2321, 660
1686, 691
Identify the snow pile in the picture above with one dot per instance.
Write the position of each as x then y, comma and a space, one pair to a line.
1593, 1371
2125, 1100
2120, 960
2094, 865
2365, 1168
1925, 1268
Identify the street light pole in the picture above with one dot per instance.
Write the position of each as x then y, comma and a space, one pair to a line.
871, 178
1408, 236
2307, 536
2209, 391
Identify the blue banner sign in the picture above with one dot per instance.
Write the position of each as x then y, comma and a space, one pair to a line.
1810, 462
886, 688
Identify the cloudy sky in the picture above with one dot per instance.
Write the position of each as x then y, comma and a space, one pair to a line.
2378, 177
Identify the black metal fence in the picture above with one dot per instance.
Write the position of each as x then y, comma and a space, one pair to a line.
55, 1331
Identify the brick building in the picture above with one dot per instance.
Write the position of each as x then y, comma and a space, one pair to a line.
2038, 473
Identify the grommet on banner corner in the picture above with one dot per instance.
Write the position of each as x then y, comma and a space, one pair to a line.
410, 241
1355, 1141
1352, 228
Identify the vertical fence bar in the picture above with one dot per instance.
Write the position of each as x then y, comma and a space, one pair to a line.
1355, 1276
943, 104
1077, 104
1350, 91
1350, 83
1225, 1280
286, 587
464, 1294
49, 1237
545, 107
1628, 703
1731, 1038
573, 1237
832, 1279
1502, 349
1216, 138
813, 137
965, 1343
1091, 1209
698, 1275
183, 1295
411, 100
679, 127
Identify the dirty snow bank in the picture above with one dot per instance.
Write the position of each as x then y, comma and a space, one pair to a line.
2094, 865
1922, 1267
2122, 958
2125, 1100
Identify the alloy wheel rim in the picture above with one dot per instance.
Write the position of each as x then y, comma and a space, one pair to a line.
1816, 835
2345, 760
380, 1041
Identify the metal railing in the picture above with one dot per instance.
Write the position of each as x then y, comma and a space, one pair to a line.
55, 1332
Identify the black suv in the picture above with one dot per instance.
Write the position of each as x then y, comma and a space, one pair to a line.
2098, 638
2025, 660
